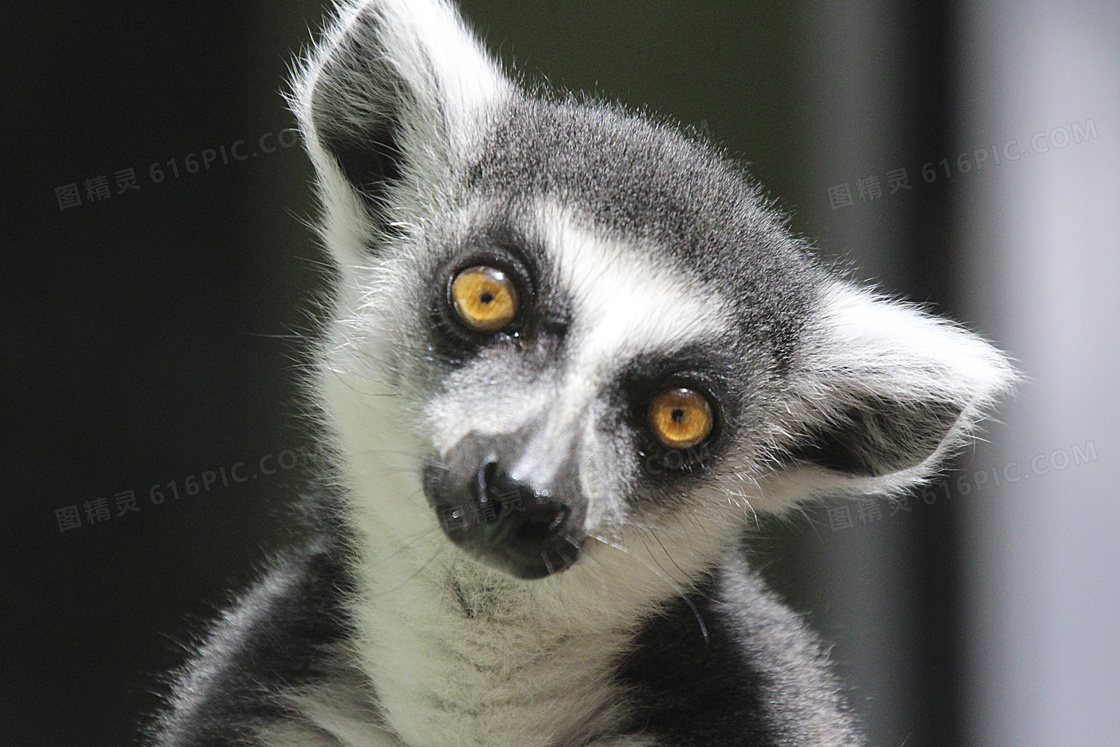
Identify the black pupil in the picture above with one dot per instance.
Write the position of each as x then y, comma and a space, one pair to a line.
486, 297
677, 415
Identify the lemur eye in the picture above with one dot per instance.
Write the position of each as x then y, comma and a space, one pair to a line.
484, 298
680, 418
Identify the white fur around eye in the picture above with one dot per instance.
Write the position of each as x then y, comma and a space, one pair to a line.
626, 302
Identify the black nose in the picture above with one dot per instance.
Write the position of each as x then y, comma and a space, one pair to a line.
526, 528
512, 511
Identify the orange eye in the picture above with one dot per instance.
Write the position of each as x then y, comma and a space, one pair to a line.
484, 298
680, 418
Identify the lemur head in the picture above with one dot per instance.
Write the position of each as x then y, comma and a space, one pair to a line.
589, 326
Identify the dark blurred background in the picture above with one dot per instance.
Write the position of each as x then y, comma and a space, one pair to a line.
159, 281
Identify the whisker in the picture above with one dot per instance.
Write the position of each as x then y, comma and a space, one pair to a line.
439, 551
667, 554
407, 543
664, 577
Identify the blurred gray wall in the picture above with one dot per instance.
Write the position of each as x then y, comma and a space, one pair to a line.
1040, 233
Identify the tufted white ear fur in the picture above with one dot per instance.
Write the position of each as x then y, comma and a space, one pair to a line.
885, 394
390, 103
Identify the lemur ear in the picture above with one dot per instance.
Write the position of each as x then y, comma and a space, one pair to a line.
885, 393
394, 94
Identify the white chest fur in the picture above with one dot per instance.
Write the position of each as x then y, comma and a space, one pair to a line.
460, 656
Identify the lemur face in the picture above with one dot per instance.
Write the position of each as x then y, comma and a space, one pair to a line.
582, 386
598, 330
602, 356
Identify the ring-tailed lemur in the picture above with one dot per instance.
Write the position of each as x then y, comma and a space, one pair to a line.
573, 352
